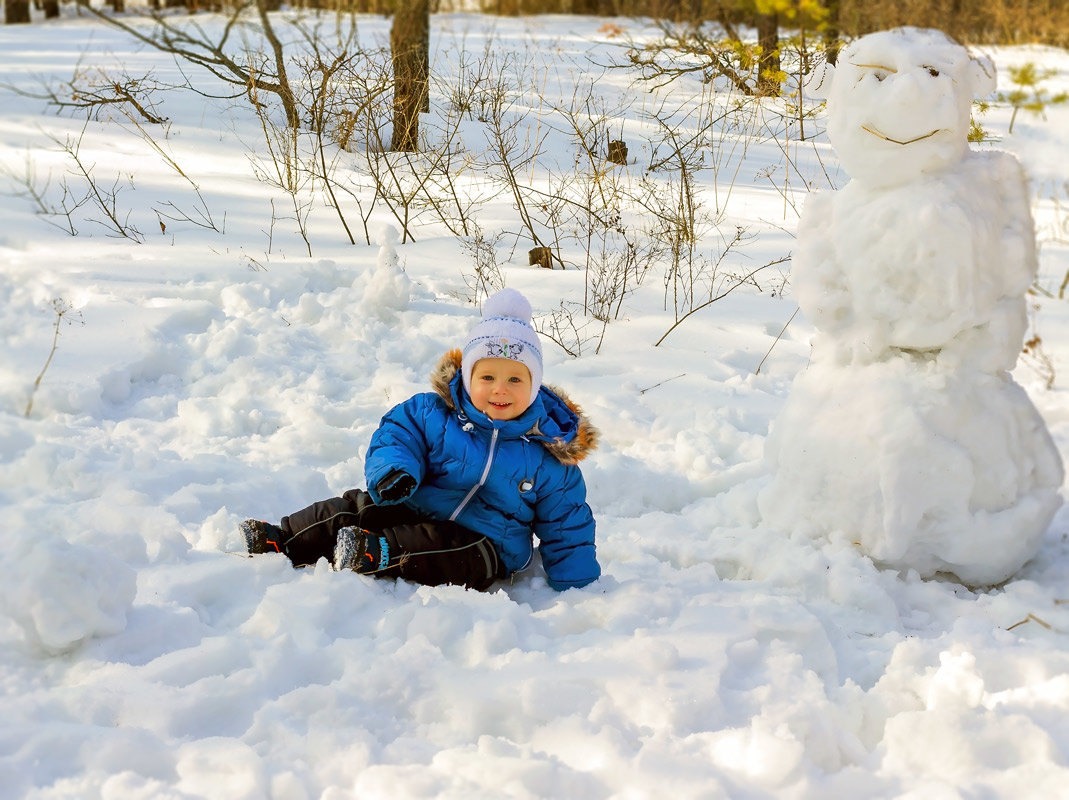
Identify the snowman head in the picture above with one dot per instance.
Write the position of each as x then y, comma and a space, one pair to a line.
899, 104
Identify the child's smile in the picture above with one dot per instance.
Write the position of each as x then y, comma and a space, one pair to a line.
500, 387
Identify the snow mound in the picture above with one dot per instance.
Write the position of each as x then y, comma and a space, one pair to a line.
387, 291
922, 469
63, 594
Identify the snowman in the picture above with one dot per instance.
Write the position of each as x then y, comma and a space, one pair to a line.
906, 436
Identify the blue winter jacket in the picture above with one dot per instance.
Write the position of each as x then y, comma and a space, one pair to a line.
502, 478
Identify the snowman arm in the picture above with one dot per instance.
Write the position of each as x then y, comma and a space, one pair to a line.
819, 280
1018, 237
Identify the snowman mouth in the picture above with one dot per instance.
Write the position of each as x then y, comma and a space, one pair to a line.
887, 138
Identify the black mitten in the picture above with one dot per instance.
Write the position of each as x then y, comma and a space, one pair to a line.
396, 486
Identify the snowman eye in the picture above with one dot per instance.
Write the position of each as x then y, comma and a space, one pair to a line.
933, 72
880, 71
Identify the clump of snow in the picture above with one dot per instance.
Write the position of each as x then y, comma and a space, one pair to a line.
907, 435
387, 290
62, 594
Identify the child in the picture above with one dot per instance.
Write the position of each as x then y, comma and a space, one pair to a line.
459, 478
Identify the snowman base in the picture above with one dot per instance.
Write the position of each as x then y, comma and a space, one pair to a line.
919, 467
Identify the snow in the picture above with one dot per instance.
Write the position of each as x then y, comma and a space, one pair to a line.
202, 377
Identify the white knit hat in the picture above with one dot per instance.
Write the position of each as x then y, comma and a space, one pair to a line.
504, 332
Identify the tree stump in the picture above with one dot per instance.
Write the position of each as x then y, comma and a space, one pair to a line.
618, 152
540, 257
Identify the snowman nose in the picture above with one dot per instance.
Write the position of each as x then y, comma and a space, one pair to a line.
905, 88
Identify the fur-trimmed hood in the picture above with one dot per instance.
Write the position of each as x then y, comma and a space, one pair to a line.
562, 427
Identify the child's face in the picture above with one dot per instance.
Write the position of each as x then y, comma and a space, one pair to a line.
500, 387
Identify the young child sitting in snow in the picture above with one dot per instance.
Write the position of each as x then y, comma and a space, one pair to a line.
459, 478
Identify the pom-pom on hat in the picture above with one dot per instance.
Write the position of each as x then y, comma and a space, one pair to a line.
504, 332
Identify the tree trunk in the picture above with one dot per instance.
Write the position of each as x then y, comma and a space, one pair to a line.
285, 93
831, 31
769, 65
425, 103
686, 10
587, 7
409, 44
16, 11
51, 8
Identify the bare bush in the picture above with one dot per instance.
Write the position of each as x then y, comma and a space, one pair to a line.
570, 330
510, 153
722, 288
252, 69
201, 215
97, 93
97, 192
65, 313
38, 191
487, 277
288, 166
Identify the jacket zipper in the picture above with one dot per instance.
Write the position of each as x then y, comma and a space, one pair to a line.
482, 479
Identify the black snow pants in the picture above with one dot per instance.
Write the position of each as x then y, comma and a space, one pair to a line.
431, 552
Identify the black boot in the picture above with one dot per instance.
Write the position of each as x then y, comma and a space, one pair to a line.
261, 537
359, 550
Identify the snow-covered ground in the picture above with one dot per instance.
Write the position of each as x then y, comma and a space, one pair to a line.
201, 377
